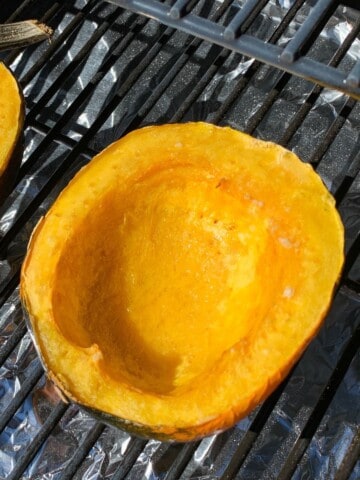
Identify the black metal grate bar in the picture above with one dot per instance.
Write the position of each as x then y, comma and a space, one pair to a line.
309, 103
132, 453
349, 462
182, 459
175, 68
147, 58
81, 453
157, 93
321, 407
258, 116
32, 207
131, 122
59, 41
249, 10
353, 79
316, 90
181, 8
220, 56
11, 343
247, 440
348, 179
55, 8
246, 44
300, 442
60, 139
314, 23
53, 133
333, 131
244, 80
259, 423
18, 11
32, 449
43, 193
81, 57
33, 375
351, 256
9, 287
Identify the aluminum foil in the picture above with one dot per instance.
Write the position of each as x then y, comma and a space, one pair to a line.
111, 70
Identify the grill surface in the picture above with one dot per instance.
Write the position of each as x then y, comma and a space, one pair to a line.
109, 70
232, 34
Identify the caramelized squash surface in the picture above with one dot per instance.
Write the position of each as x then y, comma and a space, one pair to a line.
180, 275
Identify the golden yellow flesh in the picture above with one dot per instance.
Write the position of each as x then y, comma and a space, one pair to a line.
177, 265
180, 275
10, 113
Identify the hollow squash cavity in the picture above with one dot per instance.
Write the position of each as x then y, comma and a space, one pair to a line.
173, 272
179, 276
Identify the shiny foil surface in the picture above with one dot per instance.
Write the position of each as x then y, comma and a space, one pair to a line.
114, 63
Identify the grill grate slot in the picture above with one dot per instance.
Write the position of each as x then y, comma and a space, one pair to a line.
199, 80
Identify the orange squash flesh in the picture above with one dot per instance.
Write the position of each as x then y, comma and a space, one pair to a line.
11, 129
180, 275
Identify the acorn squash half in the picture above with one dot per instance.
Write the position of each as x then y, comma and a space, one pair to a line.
12, 113
179, 276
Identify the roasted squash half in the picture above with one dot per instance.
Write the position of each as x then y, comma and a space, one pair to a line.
12, 112
179, 276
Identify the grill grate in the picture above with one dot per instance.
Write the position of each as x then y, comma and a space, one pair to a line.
291, 58
109, 70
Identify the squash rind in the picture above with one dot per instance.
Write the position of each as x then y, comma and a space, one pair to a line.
185, 414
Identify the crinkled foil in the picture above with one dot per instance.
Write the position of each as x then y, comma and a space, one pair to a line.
111, 452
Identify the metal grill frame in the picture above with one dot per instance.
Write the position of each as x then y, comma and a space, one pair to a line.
291, 59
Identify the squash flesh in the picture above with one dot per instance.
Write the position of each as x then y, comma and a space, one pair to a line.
199, 284
11, 130
10, 113
175, 268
